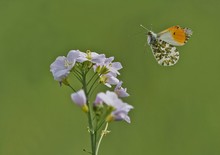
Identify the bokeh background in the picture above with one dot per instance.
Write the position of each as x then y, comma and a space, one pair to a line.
176, 108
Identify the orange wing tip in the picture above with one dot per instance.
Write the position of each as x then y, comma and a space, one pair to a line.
175, 35
180, 35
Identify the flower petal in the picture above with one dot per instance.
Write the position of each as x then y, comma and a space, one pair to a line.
121, 108
82, 57
121, 92
59, 69
73, 55
98, 58
79, 97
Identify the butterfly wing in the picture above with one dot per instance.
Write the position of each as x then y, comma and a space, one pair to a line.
175, 35
165, 53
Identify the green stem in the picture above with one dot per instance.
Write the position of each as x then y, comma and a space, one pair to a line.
94, 89
92, 78
100, 125
90, 121
95, 141
104, 132
77, 71
72, 88
77, 76
93, 84
91, 131
102, 121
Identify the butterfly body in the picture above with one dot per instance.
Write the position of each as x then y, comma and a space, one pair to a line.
163, 44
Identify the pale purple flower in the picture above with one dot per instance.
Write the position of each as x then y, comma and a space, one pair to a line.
92, 57
98, 101
114, 67
80, 99
59, 70
122, 112
121, 92
109, 60
61, 67
73, 55
120, 108
110, 66
109, 79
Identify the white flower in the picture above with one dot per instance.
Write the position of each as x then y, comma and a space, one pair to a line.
108, 65
92, 57
121, 92
98, 101
109, 79
61, 67
80, 99
73, 55
59, 70
120, 108
114, 67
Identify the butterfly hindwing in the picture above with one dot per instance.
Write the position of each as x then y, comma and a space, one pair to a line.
165, 53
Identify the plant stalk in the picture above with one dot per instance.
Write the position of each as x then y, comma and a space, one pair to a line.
104, 132
90, 121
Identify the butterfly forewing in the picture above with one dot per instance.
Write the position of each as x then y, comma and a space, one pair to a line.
164, 53
188, 32
175, 35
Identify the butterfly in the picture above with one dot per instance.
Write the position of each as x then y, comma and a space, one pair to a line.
163, 44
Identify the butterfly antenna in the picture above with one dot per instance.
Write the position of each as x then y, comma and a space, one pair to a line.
144, 27
151, 27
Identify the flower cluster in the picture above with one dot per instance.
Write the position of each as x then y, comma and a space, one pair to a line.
92, 69
106, 70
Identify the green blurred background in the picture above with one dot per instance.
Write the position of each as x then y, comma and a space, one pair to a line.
176, 108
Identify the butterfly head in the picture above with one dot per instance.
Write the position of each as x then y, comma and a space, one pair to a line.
151, 37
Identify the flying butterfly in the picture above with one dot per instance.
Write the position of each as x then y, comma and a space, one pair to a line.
163, 44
